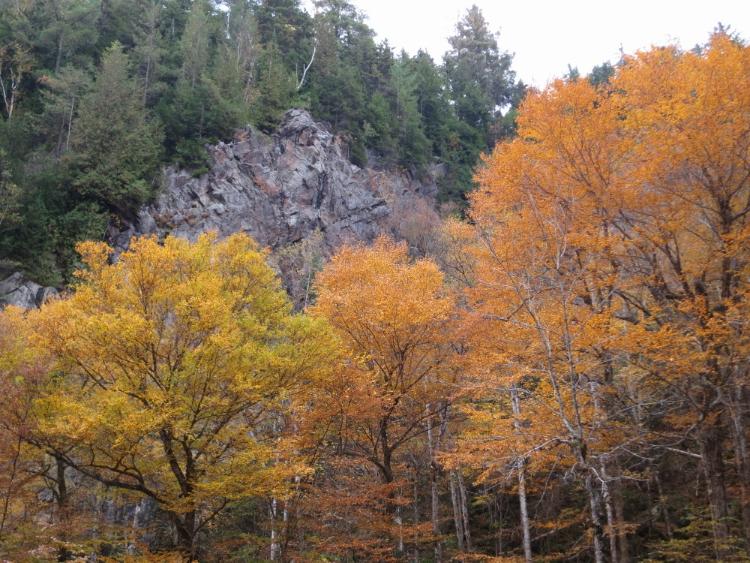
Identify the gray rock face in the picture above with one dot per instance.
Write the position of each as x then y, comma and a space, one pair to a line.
279, 189
16, 289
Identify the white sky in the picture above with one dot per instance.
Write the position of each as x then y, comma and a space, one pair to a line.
546, 35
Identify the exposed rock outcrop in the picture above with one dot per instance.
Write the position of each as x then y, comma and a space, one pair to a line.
16, 289
279, 189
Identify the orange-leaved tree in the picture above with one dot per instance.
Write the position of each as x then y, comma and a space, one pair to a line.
394, 317
610, 262
22, 369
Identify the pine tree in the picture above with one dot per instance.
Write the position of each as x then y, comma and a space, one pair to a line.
414, 148
432, 102
479, 74
482, 86
116, 146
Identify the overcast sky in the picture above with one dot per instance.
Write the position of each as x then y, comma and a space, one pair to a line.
547, 35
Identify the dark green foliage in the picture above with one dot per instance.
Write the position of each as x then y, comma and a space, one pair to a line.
10, 195
53, 217
484, 93
414, 147
573, 74
286, 25
601, 74
193, 117
379, 127
113, 90
479, 75
275, 90
432, 102
116, 148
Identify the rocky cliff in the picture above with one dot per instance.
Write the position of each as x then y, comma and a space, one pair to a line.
279, 188
294, 191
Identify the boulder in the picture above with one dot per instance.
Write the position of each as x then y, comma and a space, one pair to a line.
16, 289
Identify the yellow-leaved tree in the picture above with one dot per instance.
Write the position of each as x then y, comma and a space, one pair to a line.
171, 369
21, 370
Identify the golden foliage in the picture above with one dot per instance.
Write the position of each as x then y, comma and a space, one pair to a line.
172, 366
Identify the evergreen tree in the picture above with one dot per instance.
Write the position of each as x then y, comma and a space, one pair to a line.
194, 117
195, 44
10, 196
433, 105
149, 50
379, 127
481, 81
203, 106
274, 91
484, 92
61, 100
239, 53
117, 148
284, 24
82, 142
121, 21
337, 83
601, 74
414, 147
63, 32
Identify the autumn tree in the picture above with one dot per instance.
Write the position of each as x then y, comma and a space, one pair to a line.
20, 371
609, 248
170, 367
393, 316
689, 201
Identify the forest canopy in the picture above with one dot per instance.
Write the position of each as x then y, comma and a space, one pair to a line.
99, 95
557, 369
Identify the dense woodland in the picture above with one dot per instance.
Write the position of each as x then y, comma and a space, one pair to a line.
559, 373
99, 94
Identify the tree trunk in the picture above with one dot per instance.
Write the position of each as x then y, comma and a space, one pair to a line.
611, 521
8, 494
184, 525
62, 485
464, 501
521, 466
710, 439
415, 515
274, 537
146, 80
663, 505
622, 534
58, 59
499, 547
596, 523
434, 494
457, 516
70, 122
524, 511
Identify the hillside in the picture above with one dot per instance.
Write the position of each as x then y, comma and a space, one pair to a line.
101, 95
271, 292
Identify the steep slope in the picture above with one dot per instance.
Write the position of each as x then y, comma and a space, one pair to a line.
279, 189
294, 191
